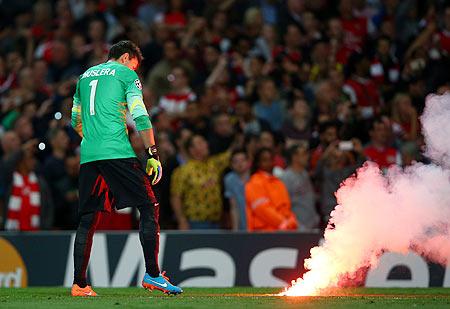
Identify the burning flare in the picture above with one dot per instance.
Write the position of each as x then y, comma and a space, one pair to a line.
405, 209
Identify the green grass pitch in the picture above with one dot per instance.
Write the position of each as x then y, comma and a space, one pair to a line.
224, 298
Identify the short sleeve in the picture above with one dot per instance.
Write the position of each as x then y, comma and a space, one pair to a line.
227, 181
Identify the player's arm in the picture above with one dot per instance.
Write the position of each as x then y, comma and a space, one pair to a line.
153, 167
140, 116
76, 112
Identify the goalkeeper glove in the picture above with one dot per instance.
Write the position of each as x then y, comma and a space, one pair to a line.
153, 168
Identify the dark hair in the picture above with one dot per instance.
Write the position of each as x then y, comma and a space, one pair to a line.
190, 141
123, 47
376, 120
257, 158
175, 42
353, 61
384, 38
293, 150
238, 151
328, 124
179, 133
264, 80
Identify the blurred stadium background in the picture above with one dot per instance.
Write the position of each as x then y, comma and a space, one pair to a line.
322, 84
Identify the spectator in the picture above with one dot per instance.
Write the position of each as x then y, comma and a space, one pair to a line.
195, 188
410, 153
68, 187
157, 79
384, 68
176, 100
268, 140
336, 164
11, 145
404, 117
222, 134
267, 199
355, 28
153, 50
174, 17
166, 151
298, 183
291, 13
55, 171
194, 121
247, 122
379, 149
60, 62
362, 90
297, 126
339, 50
27, 200
234, 183
24, 128
327, 97
269, 108
328, 134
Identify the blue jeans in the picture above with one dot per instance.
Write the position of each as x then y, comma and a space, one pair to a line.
203, 225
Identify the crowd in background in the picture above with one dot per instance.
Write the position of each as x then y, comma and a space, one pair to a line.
260, 107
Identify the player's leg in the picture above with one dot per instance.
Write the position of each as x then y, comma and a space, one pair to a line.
130, 185
149, 236
94, 195
82, 252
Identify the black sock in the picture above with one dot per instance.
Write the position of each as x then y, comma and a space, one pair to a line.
149, 237
83, 245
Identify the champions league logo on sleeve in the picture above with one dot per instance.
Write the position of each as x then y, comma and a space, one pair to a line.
138, 84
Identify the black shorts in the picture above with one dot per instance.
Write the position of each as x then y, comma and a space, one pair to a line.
115, 183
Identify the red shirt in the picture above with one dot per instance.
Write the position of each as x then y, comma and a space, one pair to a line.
382, 73
444, 41
355, 32
384, 157
342, 54
174, 103
175, 19
364, 93
24, 204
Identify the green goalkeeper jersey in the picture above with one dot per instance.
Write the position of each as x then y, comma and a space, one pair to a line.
103, 94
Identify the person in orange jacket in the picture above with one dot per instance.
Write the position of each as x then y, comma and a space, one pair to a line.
268, 206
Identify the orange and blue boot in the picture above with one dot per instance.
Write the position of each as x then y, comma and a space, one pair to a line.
160, 283
87, 291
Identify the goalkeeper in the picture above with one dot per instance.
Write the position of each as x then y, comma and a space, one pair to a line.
110, 174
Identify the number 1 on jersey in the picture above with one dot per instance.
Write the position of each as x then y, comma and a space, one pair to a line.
93, 85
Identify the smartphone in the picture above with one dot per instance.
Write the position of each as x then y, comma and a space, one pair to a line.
345, 145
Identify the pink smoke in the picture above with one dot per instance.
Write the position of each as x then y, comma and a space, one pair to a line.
402, 210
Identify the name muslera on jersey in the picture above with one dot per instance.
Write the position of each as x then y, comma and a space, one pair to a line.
97, 72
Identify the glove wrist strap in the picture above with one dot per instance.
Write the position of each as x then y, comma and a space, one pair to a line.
152, 152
